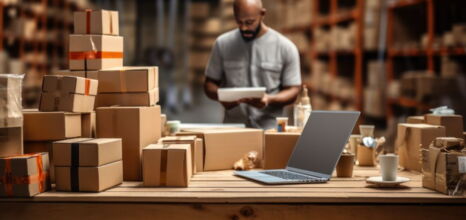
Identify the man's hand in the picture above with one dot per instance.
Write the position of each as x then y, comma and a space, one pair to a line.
257, 102
229, 105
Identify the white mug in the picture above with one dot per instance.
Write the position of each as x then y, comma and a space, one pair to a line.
388, 166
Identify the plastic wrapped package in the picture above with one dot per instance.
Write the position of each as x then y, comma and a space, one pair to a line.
11, 116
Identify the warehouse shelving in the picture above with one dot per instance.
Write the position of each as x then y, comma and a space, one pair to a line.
431, 16
49, 40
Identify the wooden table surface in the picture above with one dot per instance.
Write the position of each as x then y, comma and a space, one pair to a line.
219, 188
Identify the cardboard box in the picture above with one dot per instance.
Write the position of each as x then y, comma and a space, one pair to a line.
79, 73
416, 120
51, 126
149, 98
167, 165
88, 128
39, 147
223, 147
411, 138
278, 147
68, 93
89, 179
95, 52
16, 168
440, 165
453, 123
85, 152
96, 22
136, 126
197, 149
128, 79
11, 141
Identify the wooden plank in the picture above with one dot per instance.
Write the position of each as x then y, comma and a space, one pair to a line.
225, 211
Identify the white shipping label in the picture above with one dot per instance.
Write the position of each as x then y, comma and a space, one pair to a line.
462, 164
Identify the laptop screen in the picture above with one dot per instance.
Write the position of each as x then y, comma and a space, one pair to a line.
322, 141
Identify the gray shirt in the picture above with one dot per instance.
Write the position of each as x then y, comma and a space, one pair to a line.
270, 61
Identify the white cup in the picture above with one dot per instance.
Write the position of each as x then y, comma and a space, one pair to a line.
388, 166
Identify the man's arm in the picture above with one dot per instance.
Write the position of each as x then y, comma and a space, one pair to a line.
211, 90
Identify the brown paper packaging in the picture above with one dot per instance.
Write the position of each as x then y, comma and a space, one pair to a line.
96, 22
128, 79
197, 151
278, 147
149, 98
136, 126
89, 179
95, 52
167, 165
51, 126
453, 124
88, 152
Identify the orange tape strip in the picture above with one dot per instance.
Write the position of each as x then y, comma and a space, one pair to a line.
92, 55
87, 86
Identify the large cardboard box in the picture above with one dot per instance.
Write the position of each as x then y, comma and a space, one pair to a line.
50, 126
32, 168
223, 147
441, 166
88, 179
79, 73
87, 152
411, 138
128, 79
278, 147
197, 149
453, 123
416, 119
68, 94
95, 52
96, 22
149, 98
167, 165
11, 141
136, 126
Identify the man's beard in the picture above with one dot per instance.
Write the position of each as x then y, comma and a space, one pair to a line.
253, 33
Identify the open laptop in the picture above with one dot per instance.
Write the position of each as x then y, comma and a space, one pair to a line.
316, 153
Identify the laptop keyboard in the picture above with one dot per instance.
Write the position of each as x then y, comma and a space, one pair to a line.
292, 176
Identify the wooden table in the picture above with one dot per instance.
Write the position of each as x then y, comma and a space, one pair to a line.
220, 195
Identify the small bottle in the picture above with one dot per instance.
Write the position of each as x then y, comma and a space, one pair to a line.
303, 109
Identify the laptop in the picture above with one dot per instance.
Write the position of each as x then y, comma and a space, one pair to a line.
316, 153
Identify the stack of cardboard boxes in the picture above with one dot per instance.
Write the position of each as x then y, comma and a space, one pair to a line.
419, 133
126, 97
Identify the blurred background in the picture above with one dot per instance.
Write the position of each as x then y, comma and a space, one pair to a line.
389, 59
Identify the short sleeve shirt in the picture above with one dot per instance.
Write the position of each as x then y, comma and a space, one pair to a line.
270, 61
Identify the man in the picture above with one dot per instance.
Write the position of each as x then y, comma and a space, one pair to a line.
254, 55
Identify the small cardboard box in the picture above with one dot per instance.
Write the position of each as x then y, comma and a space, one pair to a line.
51, 126
89, 179
197, 149
411, 138
223, 147
68, 94
453, 123
149, 98
95, 52
79, 73
85, 152
128, 79
31, 147
416, 120
25, 175
11, 141
136, 126
440, 167
96, 22
278, 147
167, 165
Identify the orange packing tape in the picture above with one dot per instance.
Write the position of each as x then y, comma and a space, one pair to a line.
88, 21
87, 86
8, 180
92, 55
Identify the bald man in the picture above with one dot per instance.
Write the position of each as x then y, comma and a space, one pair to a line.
254, 55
